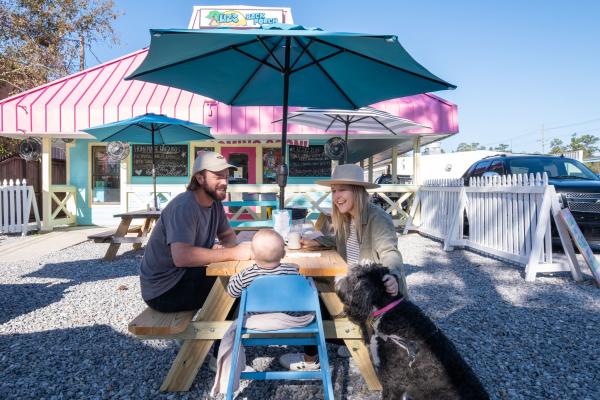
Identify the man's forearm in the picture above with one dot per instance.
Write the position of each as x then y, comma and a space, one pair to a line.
228, 239
197, 256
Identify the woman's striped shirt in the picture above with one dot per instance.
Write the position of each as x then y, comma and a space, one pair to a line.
352, 246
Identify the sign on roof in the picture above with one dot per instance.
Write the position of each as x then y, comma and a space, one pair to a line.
238, 16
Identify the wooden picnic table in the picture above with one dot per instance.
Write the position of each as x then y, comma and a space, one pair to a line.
115, 239
210, 324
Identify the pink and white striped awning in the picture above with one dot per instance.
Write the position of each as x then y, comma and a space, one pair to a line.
99, 95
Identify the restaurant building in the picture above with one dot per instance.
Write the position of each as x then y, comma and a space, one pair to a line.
247, 136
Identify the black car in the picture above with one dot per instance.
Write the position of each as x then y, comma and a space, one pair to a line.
386, 179
577, 186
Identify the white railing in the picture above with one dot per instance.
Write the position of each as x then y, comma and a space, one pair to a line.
16, 202
314, 198
509, 217
67, 205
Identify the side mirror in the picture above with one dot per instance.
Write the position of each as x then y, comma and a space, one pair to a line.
490, 173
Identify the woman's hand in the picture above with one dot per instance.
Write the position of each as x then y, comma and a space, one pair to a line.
391, 284
307, 243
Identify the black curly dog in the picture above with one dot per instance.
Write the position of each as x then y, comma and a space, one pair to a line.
414, 359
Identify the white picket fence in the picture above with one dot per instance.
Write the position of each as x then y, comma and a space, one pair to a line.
509, 218
16, 201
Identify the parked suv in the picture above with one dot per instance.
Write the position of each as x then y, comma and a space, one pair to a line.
577, 186
386, 179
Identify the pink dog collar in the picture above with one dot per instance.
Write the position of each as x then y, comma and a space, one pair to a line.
387, 308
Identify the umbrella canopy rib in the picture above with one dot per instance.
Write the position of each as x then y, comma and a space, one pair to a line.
270, 51
198, 57
301, 54
355, 53
328, 76
107, 139
260, 65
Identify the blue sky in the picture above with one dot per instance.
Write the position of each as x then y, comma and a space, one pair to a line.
518, 65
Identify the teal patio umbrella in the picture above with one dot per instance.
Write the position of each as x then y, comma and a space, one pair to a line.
151, 128
285, 65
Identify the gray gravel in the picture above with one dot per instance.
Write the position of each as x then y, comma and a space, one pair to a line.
63, 330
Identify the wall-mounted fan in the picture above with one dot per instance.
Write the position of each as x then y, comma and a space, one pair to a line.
335, 148
30, 149
117, 151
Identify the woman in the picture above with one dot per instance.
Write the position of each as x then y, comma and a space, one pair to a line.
362, 231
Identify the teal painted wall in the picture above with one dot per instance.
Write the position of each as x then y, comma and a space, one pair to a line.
79, 177
78, 170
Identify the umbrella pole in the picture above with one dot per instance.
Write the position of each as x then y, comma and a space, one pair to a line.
346, 142
154, 171
282, 171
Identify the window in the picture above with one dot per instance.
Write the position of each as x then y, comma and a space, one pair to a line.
106, 180
497, 167
240, 174
271, 159
481, 167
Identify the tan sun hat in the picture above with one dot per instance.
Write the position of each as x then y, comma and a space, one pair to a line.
210, 161
348, 174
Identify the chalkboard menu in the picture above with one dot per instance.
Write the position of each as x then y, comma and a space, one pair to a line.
309, 161
171, 160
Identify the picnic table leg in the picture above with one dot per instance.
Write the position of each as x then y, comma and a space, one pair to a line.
146, 228
121, 232
358, 349
193, 352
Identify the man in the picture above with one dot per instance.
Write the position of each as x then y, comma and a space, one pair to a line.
172, 273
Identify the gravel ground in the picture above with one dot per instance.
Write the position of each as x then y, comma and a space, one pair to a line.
63, 330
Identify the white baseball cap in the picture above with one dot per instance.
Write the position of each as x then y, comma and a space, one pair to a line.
210, 161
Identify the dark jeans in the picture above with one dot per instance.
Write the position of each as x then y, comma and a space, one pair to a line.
188, 294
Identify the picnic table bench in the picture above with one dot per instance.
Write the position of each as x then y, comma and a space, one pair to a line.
119, 236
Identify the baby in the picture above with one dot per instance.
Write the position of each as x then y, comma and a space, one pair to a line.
268, 248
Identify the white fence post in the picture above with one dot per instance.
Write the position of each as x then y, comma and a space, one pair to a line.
16, 200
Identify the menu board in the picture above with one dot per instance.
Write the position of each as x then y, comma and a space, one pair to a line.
309, 161
170, 160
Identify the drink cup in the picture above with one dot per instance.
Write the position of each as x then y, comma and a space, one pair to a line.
294, 241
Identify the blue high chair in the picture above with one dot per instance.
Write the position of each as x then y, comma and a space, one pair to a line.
282, 293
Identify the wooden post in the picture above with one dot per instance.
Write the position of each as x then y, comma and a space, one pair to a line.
123, 179
394, 164
417, 161
371, 169
46, 183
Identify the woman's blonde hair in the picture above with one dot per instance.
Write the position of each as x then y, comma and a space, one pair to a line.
341, 222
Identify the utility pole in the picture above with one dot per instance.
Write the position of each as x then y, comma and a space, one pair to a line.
81, 53
543, 140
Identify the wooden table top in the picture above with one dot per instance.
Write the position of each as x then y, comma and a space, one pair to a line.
139, 214
329, 263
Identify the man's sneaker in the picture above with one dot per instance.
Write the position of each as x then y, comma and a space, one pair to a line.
296, 362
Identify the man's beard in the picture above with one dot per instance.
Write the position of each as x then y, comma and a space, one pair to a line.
212, 192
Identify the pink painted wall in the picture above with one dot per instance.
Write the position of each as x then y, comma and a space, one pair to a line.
99, 95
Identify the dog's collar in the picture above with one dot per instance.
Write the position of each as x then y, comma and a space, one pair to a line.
387, 308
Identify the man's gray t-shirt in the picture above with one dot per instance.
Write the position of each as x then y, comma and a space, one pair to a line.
182, 220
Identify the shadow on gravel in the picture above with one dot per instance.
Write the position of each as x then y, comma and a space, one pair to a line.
497, 319
89, 362
91, 270
17, 300
343, 382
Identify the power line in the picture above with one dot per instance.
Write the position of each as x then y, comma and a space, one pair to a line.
545, 129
